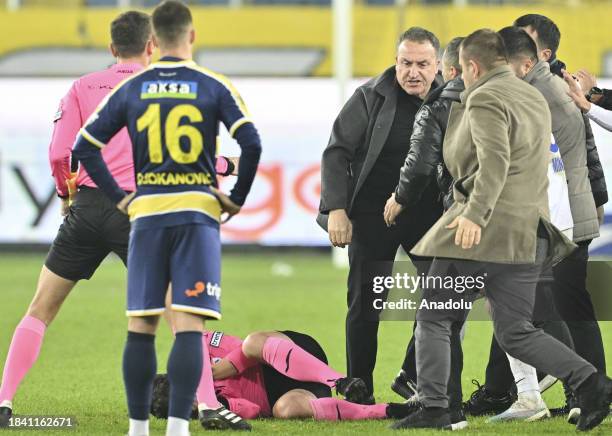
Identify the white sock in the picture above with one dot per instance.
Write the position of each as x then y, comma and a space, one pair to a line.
526, 379
204, 406
6, 403
139, 428
177, 427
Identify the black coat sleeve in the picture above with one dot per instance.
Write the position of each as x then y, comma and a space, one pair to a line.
423, 158
606, 101
596, 172
348, 134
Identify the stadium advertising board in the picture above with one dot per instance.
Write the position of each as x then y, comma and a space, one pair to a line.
294, 117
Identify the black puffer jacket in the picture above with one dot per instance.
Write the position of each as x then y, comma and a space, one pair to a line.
424, 162
596, 172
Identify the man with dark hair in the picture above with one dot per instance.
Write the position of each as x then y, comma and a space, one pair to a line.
360, 167
130, 33
92, 227
582, 164
423, 163
498, 231
171, 20
173, 111
547, 36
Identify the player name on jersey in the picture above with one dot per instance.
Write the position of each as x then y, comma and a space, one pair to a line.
167, 179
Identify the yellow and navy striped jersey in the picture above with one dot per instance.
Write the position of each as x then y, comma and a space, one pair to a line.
172, 111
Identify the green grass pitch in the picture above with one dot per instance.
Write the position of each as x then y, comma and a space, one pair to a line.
79, 369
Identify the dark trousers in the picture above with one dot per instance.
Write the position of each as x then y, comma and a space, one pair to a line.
575, 307
374, 242
499, 379
454, 390
573, 304
510, 290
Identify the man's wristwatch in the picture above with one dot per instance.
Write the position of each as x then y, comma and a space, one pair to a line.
593, 92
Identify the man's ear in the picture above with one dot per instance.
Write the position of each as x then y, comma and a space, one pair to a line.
113, 50
546, 54
150, 47
191, 36
475, 68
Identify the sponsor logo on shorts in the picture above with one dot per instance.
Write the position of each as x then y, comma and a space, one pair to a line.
215, 340
211, 289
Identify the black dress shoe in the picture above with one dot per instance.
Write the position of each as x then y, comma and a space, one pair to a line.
594, 398
401, 410
432, 417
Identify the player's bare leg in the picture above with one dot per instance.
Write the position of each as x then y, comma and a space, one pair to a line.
300, 403
51, 292
294, 404
278, 351
168, 312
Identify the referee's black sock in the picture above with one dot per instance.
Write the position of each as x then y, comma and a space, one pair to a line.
139, 369
184, 372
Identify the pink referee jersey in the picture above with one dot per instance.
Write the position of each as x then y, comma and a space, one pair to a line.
245, 393
84, 96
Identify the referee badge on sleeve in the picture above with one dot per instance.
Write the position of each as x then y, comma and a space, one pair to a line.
215, 339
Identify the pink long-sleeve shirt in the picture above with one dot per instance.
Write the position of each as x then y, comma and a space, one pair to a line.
77, 105
245, 392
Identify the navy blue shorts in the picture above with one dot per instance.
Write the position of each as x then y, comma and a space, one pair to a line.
186, 256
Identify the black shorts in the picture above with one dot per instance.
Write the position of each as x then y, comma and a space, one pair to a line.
92, 229
277, 384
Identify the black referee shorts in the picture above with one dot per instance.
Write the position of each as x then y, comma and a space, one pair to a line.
92, 229
278, 384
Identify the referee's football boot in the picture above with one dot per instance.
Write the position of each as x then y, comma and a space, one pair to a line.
353, 389
222, 419
483, 402
6, 411
594, 398
404, 387
425, 417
